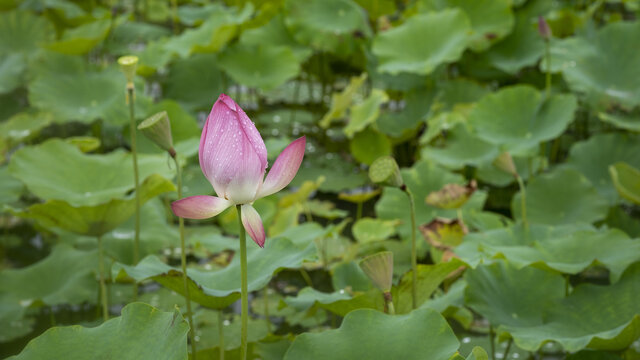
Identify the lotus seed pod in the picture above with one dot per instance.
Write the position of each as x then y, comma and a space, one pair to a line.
505, 163
157, 128
128, 65
379, 268
385, 171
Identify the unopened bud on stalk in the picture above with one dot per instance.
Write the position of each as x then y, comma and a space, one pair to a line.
505, 163
128, 65
157, 128
543, 28
385, 171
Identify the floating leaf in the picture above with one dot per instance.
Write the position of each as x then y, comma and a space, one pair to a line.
325, 25
568, 248
424, 334
368, 145
595, 316
194, 82
95, 220
626, 179
275, 34
605, 71
461, 148
51, 170
365, 113
22, 32
66, 276
11, 69
142, 332
10, 188
563, 196
262, 66
218, 289
398, 51
519, 117
594, 156
73, 92
82, 39
368, 230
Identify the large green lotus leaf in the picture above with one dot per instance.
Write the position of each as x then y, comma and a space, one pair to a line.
368, 230
606, 72
58, 170
522, 47
23, 127
12, 314
423, 178
566, 249
626, 179
263, 66
308, 296
369, 334
82, 39
519, 117
11, 68
594, 156
398, 51
71, 91
10, 188
194, 82
404, 124
563, 196
23, 32
339, 302
365, 113
462, 148
218, 289
509, 296
66, 276
325, 25
193, 15
344, 175
368, 145
98, 219
212, 35
491, 20
429, 278
600, 317
127, 33
275, 34
142, 332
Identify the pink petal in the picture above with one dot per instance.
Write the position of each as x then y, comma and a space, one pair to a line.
232, 154
253, 224
199, 206
284, 169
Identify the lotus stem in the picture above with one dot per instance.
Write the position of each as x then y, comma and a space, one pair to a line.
523, 202
221, 333
459, 212
183, 262
244, 289
136, 177
266, 308
103, 286
414, 251
492, 340
388, 303
359, 211
506, 351
548, 60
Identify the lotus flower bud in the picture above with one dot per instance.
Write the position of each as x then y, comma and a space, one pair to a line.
543, 28
128, 65
385, 171
379, 268
157, 128
505, 163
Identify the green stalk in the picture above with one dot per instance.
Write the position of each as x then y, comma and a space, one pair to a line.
134, 153
548, 60
523, 203
388, 300
492, 338
506, 351
414, 251
103, 286
359, 211
221, 333
183, 261
266, 308
244, 290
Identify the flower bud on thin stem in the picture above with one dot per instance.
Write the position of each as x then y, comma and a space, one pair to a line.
543, 28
